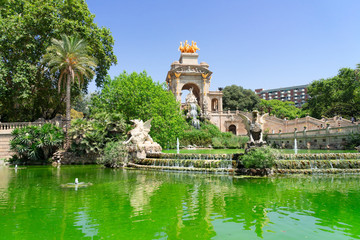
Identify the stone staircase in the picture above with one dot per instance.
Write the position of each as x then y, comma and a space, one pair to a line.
5, 153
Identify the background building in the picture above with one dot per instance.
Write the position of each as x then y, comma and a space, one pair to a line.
296, 94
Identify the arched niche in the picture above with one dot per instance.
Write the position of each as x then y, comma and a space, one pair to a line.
232, 129
215, 105
196, 90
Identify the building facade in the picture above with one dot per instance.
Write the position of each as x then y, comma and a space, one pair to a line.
296, 94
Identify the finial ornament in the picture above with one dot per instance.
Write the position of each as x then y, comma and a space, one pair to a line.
188, 48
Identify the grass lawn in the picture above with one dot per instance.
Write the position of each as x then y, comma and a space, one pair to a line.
206, 151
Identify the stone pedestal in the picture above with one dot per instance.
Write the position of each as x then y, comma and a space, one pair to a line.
139, 151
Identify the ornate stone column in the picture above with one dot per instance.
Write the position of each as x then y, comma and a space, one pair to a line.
178, 90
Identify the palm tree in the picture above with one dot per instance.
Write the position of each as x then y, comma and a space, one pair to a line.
68, 57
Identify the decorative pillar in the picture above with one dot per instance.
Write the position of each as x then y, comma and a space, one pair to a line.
204, 76
177, 78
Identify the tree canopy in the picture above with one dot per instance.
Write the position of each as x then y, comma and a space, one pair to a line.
281, 109
236, 97
136, 96
27, 88
339, 95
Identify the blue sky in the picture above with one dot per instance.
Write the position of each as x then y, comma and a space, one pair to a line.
251, 43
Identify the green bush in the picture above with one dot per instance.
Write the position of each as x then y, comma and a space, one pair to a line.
115, 155
354, 141
34, 143
91, 135
262, 157
210, 134
217, 142
196, 137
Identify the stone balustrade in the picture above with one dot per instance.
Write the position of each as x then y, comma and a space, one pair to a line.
323, 138
13, 125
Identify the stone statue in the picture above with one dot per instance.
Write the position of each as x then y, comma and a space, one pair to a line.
140, 141
254, 129
190, 98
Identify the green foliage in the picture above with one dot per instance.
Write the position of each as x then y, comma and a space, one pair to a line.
236, 97
69, 57
115, 155
91, 135
262, 157
34, 143
136, 96
26, 30
210, 134
281, 109
196, 137
339, 95
354, 141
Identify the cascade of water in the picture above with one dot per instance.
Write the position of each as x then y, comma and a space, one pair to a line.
331, 164
193, 113
295, 146
177, 146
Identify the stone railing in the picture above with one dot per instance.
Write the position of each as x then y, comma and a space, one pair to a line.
12, 125
331, 138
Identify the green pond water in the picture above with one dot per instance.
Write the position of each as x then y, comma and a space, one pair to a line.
135, 204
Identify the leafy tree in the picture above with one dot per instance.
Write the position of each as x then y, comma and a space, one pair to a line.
281, 109
69, 58
34, 143
136, 96
338, 95
236, 97
27, 88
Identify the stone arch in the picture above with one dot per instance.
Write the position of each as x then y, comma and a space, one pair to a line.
232, 128
214, 105
196, 90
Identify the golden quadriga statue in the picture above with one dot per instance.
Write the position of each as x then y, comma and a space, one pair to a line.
188, 48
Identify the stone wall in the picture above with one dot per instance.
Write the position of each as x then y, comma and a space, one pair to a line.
327, 138
274, 125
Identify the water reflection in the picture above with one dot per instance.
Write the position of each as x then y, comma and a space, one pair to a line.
131, 204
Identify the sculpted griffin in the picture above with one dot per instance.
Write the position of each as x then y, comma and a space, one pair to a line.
140, 141
254, 129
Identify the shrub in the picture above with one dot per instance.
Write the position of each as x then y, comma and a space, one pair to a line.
262, 157
217, 142
354, 141
91, 135
115, 155
34, 143
196, 137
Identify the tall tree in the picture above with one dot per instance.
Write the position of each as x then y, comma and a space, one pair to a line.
69, 58
236, 97
281, 109
137, 96
338, 95
27, 88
